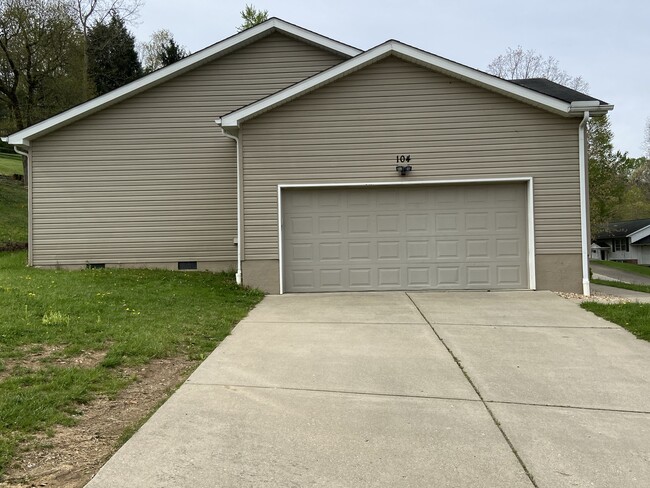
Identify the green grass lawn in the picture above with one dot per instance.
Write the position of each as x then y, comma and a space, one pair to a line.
133, 316
632, 268
635, 317
10, 165
625, 286
13, 212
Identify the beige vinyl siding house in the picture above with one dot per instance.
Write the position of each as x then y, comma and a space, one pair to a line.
351, 130
307, 165
151, 180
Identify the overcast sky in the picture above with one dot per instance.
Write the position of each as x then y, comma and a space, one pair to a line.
607, 42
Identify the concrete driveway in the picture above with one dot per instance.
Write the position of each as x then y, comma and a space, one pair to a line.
394, 389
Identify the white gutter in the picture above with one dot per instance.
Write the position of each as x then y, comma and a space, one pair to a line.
239, 203
594, 108
584, 211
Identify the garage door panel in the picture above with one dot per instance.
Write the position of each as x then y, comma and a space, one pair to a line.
407, 237
478, 275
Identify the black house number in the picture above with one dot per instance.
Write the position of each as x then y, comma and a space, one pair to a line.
403, 158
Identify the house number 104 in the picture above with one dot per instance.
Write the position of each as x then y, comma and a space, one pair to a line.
403, 158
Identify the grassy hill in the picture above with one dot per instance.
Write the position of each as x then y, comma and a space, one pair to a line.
10, 164
13, 205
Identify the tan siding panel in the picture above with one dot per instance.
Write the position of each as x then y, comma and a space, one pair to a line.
152, 179
351, 130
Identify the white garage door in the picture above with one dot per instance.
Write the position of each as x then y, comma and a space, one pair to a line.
405, 238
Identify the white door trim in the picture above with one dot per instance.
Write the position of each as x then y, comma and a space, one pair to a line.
532, 280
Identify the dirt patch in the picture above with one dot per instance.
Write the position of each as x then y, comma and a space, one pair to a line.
46, 355
13, 246
72, 456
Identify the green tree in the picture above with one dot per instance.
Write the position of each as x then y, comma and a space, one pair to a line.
112, 59
251, 17
39, 51
607, 175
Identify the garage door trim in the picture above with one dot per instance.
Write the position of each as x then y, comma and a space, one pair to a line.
532, 282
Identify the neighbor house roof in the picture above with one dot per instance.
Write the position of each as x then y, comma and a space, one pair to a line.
623, 229
22, 138
451, 68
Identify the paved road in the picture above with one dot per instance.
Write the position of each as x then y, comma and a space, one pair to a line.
619, 275
394, 389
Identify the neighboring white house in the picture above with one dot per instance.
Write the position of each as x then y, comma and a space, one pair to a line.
628, 240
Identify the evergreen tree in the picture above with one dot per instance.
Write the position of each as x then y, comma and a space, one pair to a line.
112, 58
171, 52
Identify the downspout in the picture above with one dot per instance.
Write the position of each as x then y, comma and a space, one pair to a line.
239, 205
584, 210
30, 258
18, 151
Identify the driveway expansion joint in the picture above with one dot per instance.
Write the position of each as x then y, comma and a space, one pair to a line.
524, 326
572, 407
284, 322
340, 392
487, 407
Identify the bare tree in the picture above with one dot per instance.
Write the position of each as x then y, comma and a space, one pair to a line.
38, 51
519, 63
39, 61
89, 12
646, 140
152, 52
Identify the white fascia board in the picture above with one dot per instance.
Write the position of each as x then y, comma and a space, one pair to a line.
639, 234
83, 110
423, 58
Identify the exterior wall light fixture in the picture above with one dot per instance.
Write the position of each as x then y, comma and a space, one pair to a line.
403, 170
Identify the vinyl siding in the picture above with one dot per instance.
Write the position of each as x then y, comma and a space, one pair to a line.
352, 129
152, 179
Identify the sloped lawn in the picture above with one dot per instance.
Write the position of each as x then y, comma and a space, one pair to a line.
13, 213
634, 317
50, 320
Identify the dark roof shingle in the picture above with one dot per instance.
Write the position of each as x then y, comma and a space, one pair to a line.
622, 229
555, 90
